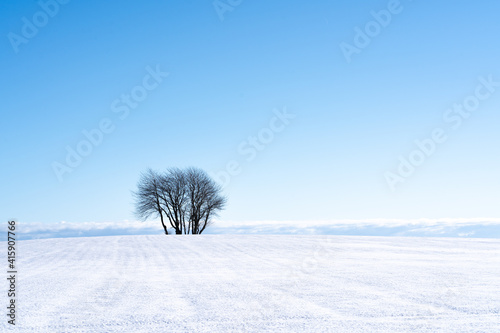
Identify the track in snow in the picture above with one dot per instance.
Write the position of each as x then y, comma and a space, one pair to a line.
258, 284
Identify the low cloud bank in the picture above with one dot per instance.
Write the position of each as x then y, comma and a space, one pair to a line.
473, 228
447, 227
86, 229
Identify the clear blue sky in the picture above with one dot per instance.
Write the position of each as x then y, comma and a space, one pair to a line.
352, 119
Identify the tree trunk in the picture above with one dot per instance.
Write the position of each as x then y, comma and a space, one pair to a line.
163, 224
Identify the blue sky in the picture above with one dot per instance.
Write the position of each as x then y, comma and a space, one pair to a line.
227, 79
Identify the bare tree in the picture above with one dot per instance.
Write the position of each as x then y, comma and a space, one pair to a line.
173, 198
205, 200
188, 198
148, 197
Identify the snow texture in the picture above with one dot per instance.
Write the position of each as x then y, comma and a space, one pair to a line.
223, 283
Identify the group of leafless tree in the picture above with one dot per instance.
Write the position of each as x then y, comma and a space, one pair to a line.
188, 199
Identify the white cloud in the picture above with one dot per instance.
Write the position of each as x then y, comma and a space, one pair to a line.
445, 227
86, 229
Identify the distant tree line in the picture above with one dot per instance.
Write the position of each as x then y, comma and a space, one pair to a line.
187, 198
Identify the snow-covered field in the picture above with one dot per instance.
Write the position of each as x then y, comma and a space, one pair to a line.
258, 284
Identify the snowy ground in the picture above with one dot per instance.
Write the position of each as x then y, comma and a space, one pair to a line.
258, 284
